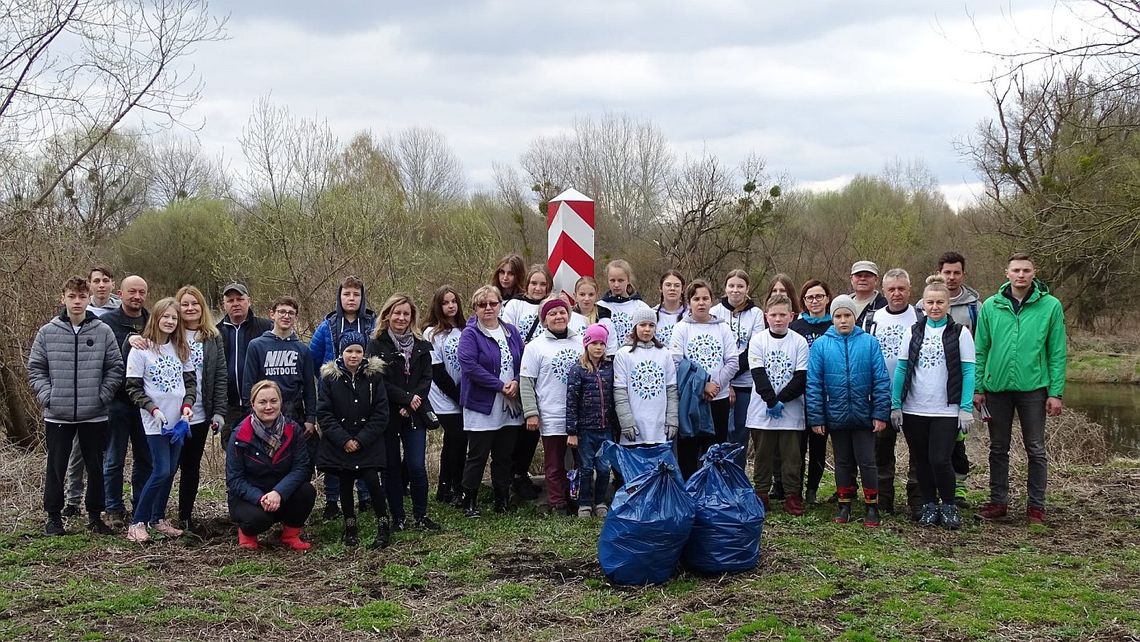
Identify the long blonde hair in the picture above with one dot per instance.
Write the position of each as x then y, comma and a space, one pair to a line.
152, 333
207, 331
386, 311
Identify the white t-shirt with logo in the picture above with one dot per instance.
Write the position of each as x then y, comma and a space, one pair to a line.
781, 357
548, 360
579, 323
743, 325
621, 317
444, 350
927, 394
665, 323
646, 374
709, 344
889, 329
523, 315
499, 416
198, 359
161, 372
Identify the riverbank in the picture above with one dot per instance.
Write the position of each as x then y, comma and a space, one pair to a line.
1094, 366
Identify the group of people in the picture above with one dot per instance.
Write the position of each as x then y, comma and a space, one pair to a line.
784, 371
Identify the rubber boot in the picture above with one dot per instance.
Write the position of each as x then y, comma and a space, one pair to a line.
844, 495
351, 535
291, 538
470, 503
247, 541
871, 498
502, 500
383, 534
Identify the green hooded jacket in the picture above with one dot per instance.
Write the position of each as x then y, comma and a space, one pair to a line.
1021, 351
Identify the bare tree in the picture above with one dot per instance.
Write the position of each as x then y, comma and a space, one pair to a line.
430, 172
178, 170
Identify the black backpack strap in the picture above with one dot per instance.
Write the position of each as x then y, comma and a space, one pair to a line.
530, 332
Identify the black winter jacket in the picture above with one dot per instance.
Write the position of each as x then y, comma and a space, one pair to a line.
251, 471
590, 399
402, 383
352, 407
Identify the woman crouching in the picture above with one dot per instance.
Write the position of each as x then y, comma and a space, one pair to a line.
267, 472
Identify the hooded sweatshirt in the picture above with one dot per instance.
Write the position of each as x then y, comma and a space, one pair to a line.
113, 303
964, 308
710, 344
323, 345
286, 362
621, 310
743, 324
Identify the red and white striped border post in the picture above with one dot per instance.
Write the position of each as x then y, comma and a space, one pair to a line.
569, 240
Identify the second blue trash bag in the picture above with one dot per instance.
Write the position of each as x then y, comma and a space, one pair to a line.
729, 520
646, 528
632, 462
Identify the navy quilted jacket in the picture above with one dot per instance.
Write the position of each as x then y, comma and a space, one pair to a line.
590, 399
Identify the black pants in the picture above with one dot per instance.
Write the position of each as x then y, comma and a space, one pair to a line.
252, 519
931, 441
855, 450
190, 463
499, 445
92, 443
815, 447
371, 479
885, 461
526, 443
690, 449
453, 455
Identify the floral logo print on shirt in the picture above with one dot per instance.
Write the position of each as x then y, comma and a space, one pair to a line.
166, 373
780, 368
706, 350
560, 363
931, 354
647, 380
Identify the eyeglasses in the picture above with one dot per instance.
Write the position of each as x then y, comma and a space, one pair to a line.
814, 297
486, 304
285, 313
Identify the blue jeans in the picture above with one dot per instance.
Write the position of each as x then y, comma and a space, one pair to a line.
739, 432
125, 427
332, 489
164, 455
592, 490
403, 433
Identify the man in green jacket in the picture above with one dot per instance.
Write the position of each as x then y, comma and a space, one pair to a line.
1020, 342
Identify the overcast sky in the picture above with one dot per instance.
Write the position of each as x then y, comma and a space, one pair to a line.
823, 90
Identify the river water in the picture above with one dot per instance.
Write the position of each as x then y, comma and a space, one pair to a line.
1114, 406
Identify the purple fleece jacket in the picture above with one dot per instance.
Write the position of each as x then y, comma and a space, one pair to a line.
479, 380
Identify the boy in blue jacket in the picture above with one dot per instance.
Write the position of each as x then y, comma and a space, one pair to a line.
849, 396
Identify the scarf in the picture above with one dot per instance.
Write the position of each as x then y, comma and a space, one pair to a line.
404, 343
272, 434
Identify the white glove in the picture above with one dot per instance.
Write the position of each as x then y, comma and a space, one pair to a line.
896, 419
159, 417
965, 421
670, 431
629, 434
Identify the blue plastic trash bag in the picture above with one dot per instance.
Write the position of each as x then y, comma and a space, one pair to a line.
646, 529
178, 432
633, 462
730, 518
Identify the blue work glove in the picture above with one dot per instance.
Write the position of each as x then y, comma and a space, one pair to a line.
776, 411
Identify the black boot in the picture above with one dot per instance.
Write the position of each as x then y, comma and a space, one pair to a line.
872, 518
502, 500
843, 515
470, 503
443, 493
332, 511
383, 533
351, 536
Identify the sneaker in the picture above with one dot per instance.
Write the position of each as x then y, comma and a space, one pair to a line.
930, 516
427, 523
585, 512
991, 510
54, 526
399, 525
332, 511
137, 533
950, 517
99, 527
117, 519
167, 529
1035, 515
71, 510
601, 510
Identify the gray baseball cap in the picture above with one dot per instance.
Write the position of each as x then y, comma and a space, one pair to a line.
865, 266
235, 287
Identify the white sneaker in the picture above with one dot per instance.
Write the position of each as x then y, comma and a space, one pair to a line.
167, 529
584, 511
137, 533
601, 510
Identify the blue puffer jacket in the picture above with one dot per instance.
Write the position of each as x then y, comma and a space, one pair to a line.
847, 382
590, 399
